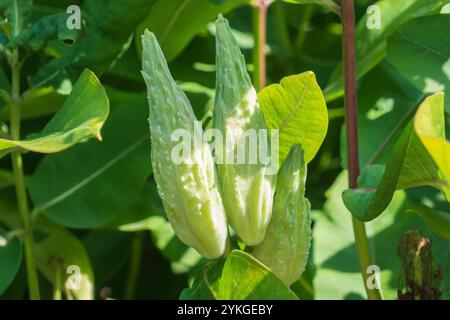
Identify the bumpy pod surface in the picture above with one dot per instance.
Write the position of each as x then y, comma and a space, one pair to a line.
286, 245
247, 187
187, 188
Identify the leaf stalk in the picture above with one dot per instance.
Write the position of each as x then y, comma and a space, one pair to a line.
21, 193
259, 48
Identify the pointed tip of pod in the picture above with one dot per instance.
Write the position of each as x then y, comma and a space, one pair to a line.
153, 59
296, 154
148, 39
148, 36
293, 167
147, 32
221, 24
221, 18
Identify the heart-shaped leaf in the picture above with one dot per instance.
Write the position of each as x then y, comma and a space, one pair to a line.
296, 107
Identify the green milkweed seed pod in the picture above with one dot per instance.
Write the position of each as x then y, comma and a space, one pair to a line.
187, 188
247, 187
286, 245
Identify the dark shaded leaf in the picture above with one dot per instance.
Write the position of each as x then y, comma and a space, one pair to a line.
94, 183
10, 257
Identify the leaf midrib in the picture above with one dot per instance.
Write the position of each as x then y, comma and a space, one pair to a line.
421, 45
64, 195
172, 21
292, 112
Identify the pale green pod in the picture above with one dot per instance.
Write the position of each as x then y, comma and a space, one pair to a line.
187, 188
247, 187
286, 245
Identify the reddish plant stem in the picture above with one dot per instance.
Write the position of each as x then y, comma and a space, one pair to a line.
351, 116
350, 98
259, 51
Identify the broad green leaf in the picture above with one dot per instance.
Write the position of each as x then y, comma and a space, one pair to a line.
17, 290
429, 125
148, 214
386, 104
9, 215
60, 254
245, 278
334, 248
107, 34
422, 55
438, 221
372, 39
173, 25
239, 277
118, 16
420, 157
205, 282
10, 258
17, 13
81, 117
108, 252
6, 179
37, 103
296, 107
48, 28
91, 185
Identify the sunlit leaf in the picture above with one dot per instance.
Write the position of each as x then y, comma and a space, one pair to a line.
81, 117
417, 41
240, 277
297, 108
421, 156
335, 254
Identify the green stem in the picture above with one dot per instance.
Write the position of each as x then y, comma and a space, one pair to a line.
351, 115
57, 294
305, 19
364, 256
21, 193
259, 48
135, 264
282, 30
228, 246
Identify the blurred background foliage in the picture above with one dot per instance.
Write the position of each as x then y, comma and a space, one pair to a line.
117, 219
